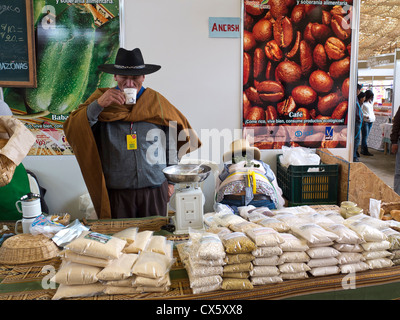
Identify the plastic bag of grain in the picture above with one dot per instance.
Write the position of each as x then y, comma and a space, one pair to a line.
260, 281
119, 269
128, 282
237, 242
75, 291
97, 245
264, 237
292, 243
150, 282
225, 219
324, 271
353, 267
238, 258
236, 284
243, 226
275, 224
291, 219
157, 244
71, 256
314, 234
333, 215
265, 252
367, 232
71, 273
152, 265
244, 211
345, 234
206, 245
128, 234
293, 256
141, 241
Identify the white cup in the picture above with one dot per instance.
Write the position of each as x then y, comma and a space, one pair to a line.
130, 95
30, 209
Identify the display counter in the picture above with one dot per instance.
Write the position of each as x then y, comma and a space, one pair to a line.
30, 281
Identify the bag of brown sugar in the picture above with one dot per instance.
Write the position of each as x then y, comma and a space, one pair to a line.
97, 245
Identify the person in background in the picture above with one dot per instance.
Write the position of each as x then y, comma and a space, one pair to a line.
394, 139
358, 122
122, 148
368, 120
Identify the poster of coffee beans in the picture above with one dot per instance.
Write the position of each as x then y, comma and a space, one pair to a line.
296, 72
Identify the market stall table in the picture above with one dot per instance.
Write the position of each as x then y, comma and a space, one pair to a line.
31, 281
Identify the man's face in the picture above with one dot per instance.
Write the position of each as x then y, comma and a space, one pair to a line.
129, 81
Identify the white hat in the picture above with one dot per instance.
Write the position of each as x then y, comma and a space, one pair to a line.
237, 148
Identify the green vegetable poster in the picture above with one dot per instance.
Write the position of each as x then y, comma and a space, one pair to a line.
73, 37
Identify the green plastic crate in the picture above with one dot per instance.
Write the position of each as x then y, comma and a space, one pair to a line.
300, 186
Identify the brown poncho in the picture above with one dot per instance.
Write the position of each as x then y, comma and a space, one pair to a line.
151, 107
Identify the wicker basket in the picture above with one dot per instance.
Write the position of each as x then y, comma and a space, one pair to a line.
27, 248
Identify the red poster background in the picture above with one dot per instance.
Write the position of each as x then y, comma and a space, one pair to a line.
296, 71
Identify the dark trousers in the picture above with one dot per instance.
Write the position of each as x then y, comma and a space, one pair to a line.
365, 129
138, 203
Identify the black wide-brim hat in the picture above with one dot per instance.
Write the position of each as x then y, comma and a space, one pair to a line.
129, 63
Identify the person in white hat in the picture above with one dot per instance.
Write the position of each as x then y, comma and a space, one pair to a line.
246, 180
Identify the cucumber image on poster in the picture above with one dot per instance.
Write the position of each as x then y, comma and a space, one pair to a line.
107, 45
64, 63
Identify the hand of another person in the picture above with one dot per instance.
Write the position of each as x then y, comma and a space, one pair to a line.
394, 148
111, 96
171, 190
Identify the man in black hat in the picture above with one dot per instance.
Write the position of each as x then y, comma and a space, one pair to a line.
122, 149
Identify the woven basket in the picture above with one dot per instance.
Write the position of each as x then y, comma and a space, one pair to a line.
7, 167
27, 248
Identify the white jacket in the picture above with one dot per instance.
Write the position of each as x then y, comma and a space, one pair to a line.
368, 111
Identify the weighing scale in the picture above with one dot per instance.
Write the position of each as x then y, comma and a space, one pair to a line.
189, 198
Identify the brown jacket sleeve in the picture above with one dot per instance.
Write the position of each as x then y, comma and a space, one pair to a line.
394, 136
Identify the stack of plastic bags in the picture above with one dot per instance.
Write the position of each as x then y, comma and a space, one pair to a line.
350, 258
393, 237
204, 261
267, 255
238, 247
375, 246
95, 264
84, 258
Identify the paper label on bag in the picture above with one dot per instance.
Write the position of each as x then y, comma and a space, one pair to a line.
102, 238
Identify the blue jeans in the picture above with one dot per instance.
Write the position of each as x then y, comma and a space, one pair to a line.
357, 140
365, 129
257, 203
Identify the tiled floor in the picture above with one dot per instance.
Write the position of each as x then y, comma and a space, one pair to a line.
381, 164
